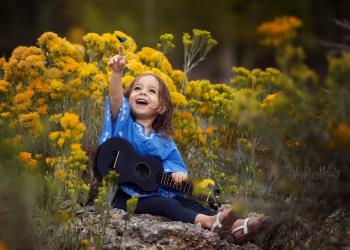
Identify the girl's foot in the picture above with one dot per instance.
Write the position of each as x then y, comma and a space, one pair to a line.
225, 216
240, 231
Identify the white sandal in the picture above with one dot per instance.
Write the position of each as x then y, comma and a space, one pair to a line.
217, 223
264, 223
244, 226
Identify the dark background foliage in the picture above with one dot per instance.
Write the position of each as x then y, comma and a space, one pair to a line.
232, 22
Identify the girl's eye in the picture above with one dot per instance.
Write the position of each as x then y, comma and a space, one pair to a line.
153, 90
137, 88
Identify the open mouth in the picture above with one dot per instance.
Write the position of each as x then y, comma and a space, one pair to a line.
141, 101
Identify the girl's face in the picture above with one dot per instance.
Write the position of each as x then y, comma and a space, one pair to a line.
144, 98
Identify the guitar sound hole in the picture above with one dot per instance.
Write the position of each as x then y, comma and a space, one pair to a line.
142, 171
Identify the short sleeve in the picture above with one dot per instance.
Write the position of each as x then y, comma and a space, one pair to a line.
118, 128
173, 162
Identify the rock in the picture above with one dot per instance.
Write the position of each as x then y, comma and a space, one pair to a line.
144, 231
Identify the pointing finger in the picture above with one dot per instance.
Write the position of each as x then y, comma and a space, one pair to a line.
120, 50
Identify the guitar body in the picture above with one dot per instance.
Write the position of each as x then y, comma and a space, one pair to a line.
145, 173
118, 155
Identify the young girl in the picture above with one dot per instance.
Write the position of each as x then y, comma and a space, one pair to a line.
143, 117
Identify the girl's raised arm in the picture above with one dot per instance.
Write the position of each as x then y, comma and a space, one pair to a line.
116, 64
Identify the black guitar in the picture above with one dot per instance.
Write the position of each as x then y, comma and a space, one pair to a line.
146, 173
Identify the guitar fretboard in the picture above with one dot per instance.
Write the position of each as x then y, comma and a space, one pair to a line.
186, 187
167, 181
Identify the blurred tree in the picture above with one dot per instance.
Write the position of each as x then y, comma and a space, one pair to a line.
232, 23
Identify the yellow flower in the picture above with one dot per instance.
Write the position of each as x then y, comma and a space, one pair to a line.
49, 161
131, 204
178, 99
126, 80
166, 43
53, 136
87, 70
60, 174
69, 64
25, 64
55, 117
270, 99
38, 156
4, 85
23, 100
186, 40
60, 142
178, 76
185, 116
53, 73
2, 62
73, 130
69, 120
86, 187
168, 81
85, 244
30, 121
3, 106
136, 67
155, 59
57, 89
25, 118
202, 186
55, 47
5, 115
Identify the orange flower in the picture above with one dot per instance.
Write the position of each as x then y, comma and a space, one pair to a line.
30, 163
185, 116
75, 146
210, 130
341, 133
201, 139
279, 31
42, 110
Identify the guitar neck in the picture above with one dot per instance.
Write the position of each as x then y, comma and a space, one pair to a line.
185, 187
167, 181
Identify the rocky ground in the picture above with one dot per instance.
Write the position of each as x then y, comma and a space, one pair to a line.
151, 232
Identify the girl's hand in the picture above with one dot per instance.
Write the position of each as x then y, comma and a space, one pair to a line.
178, 177
117, 62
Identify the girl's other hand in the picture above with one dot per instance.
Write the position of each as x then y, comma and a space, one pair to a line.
178, 177
117, 62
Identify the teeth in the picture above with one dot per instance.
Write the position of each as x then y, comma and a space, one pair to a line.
141, 101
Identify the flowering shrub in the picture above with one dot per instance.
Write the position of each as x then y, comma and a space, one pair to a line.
248, 135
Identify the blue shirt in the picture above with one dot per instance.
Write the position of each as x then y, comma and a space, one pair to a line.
152, 144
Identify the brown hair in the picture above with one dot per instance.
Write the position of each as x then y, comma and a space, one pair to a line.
163, 122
